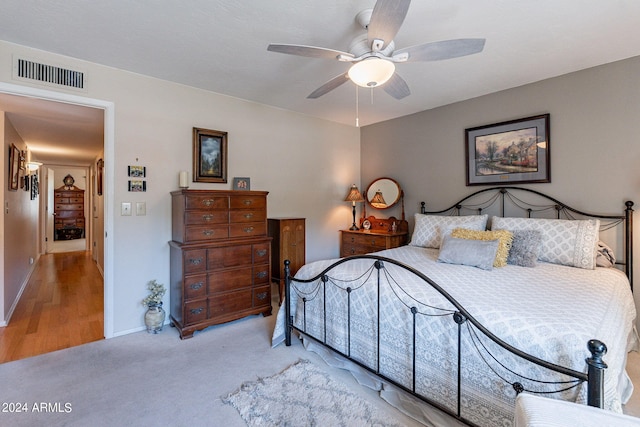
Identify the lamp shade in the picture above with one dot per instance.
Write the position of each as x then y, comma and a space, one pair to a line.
354, 195
371, 72
378, 201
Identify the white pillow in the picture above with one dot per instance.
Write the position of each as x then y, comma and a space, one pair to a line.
565, 242
427, 231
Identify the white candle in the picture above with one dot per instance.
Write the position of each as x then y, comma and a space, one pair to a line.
184, 179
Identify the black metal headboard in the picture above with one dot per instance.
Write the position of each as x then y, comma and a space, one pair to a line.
508, 201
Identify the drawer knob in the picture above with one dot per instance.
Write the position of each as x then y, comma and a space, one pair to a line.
353, 239
196, 286
207, 202
197, 310
195, 261
248, 215
353, 250
248, 230
247, 202
207, 217
262, 252
261, 275
262, 295
208, 232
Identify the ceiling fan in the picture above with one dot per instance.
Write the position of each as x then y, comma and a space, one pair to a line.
373, 53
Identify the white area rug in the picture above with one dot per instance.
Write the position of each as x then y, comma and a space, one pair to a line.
302, 395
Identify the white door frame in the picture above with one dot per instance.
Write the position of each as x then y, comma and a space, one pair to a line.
108, 185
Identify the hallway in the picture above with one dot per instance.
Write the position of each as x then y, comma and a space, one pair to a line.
61, 307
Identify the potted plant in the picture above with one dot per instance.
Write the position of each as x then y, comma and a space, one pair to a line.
155, 315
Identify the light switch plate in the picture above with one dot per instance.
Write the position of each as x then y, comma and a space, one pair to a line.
141, 208
125, 208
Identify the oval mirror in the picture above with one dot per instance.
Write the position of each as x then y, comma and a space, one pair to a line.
383, 193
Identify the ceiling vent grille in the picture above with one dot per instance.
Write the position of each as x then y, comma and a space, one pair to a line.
50, 75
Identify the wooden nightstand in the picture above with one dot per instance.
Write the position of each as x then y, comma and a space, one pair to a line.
377, 238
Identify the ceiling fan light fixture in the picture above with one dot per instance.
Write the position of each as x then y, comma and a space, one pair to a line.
371, 72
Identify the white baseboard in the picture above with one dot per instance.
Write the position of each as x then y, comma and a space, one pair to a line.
22, 288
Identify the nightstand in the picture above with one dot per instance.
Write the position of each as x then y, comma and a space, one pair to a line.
377, 238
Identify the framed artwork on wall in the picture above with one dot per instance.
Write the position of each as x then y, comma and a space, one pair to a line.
209, 155
14, 167
137, 171
510, 152
99, 168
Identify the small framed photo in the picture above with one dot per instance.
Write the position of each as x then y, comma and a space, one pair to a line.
241, 184
14, 168
137, 171
137, 185
510, 152
209, 155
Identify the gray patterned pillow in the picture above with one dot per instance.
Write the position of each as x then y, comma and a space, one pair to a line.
428, 229
564, 242
525, 248
474, 253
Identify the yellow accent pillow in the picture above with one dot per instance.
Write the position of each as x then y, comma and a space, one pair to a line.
504, 237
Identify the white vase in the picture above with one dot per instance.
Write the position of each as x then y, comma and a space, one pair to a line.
154, 318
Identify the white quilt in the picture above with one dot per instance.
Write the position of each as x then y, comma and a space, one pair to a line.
549, 311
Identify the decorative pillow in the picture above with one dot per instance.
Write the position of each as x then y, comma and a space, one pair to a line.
605, 256
427, 233
565, 242
525, 248
504, 238
474, 253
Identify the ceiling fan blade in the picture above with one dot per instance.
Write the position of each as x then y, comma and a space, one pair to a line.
309, 51
445, 49
396, 87
386, 19
329, 86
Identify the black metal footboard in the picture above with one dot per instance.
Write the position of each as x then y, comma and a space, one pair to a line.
470, 333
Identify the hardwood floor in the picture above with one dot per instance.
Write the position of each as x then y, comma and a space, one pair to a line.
62, 306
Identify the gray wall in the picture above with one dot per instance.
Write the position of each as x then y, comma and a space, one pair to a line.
594, 144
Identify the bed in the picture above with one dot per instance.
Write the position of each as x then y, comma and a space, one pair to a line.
483, 304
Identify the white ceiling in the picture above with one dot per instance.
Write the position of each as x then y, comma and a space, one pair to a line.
221, 45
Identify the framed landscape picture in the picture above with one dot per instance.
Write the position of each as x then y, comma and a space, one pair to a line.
209, 155
510, 152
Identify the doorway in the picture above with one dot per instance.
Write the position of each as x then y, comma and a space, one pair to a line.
104, 206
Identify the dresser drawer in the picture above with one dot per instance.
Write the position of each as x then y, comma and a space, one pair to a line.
247, 202
206, 201
69, 207
249, 229
229, 280
195, 286
261, 274
262, 296
198, 233
195, 311
349, 249
364, 240
261, 253
206, 217
248, 216
230, 302
229, 256
195, 261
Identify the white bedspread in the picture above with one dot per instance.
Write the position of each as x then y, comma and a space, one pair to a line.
549, 311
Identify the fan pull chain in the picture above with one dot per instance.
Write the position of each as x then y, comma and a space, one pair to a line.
357, 112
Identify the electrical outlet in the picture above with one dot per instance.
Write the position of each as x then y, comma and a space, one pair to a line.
125, 208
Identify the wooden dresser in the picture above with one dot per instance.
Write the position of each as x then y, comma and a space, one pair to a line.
379, 237
288, 243
69, 213
220, 258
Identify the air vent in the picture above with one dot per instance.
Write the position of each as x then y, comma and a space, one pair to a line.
49, 75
